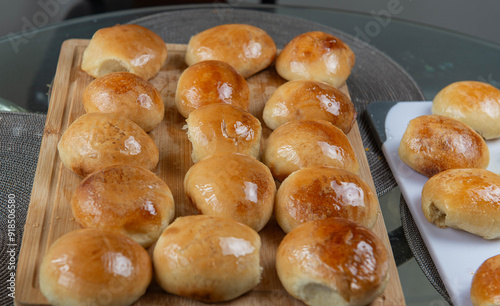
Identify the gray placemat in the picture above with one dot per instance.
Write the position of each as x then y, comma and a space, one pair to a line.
375, 76
20, 139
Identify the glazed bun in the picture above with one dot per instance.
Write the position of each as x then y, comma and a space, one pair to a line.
432, 143
126, 94
219, 128
466, 199
316, 56
234, 186
126, 199
309, 100
308, 143
128, 47
333, 262
485, 286
247, 48
97, 140
318, 193
210, 82
207, 258
476, 104
94, 267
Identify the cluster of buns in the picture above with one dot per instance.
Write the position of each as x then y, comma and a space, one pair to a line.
122, 205
449, 147
214, 255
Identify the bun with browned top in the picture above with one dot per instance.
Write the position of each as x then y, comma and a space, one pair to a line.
247, 48
207, 258
316, 56
432, 143
94, 267
128, 47
333, 262
476, 104
321, 192
126, 94
485, 286
466, 199
126, 199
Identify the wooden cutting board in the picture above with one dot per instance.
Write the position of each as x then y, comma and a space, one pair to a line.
49, 215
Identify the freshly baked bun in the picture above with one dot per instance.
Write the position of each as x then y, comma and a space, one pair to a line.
432, 143
234, 186
485, 286
309, 100
316, 56
94, 267
210, 82
308, 143
207, 258
321, 192
126, 94
126, 199
466, 199
128, 47
247, 48
476, 104
333, 262
219, 128
96, 140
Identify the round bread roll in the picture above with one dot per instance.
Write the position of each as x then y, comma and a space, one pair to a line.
210, 82
247, 48
309, 100
219, 128
94, 267
433, 143
234, 186
485, 286
126, 94
207, 258
476, 104
98, 140
333, 262
128, 47
316, 56
126, 199
320, 192
308, 143
466, 199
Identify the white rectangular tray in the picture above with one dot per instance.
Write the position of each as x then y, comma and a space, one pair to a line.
456, 254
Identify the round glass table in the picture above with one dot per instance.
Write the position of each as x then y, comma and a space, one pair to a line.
433, 58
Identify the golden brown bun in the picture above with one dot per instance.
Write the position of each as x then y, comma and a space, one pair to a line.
467, 199
318, 193
207, 258
333, 262
485, 287
432, 143
309, 100
210, 82
234, 186
247, 48
128, 47
126, 199
476, 104
308, 143
316, 56
98, 140
94, 267
126, 94
219, 128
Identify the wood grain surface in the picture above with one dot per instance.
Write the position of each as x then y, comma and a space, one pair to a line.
50, 216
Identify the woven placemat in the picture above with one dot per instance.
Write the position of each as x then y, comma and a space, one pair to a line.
21, 136
375, 76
